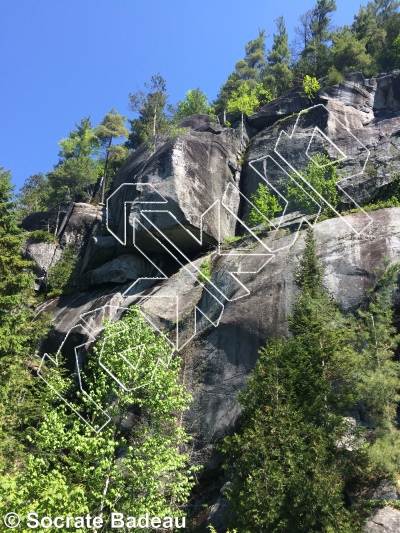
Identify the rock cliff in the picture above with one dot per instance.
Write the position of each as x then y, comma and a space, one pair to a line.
182, 201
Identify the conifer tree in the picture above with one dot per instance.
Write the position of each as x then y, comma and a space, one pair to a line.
247, 70
150, 104
288, 473
379, 375
111, 127
279, 72
315, 57
19, 334
195, 102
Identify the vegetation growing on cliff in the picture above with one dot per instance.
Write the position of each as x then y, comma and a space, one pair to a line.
319, 51
137, 463
297, 457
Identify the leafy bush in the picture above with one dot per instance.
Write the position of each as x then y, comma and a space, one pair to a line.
138, 462
40, 235
61, 275
265, 207
205, 270
334, 77
310, 87
320, 173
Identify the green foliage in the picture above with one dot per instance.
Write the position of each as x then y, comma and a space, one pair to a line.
76, 471
349, 53
248, 70
34, 195
243, 100
265, 207
287, 473
232, 238
42, 236
205, 270
378, 204
196, 102
315, 58
81, 142
19, 334
16, 282
334, 77
279, 74
61, 276
377, 340
213, 530
288, 467
321, 175
174, 131
377, 25
111, 127
150, 105
73, 179
310, 87
288, 470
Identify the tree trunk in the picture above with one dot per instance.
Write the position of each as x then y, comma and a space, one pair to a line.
103, 181
154, 121
241, 140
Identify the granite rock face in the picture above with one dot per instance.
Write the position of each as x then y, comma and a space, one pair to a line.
386, 520
44, 255
178, 185
219, 359
167, 194
358, 125
124, 268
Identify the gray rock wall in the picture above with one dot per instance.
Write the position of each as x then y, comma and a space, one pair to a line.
160, 196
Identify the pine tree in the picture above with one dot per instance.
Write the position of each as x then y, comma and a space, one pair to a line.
150, 104
315, 58
288, 472
111, 127
379, 374
247, 70
19, 334
279, 72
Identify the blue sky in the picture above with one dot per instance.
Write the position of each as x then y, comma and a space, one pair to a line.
62, 60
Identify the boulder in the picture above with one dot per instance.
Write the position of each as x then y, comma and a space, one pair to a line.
355, 92
178, 186
71, 222
200, 123
386, 520
43, 254
365, 144
80, 223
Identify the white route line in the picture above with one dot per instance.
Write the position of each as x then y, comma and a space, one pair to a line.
220, 297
